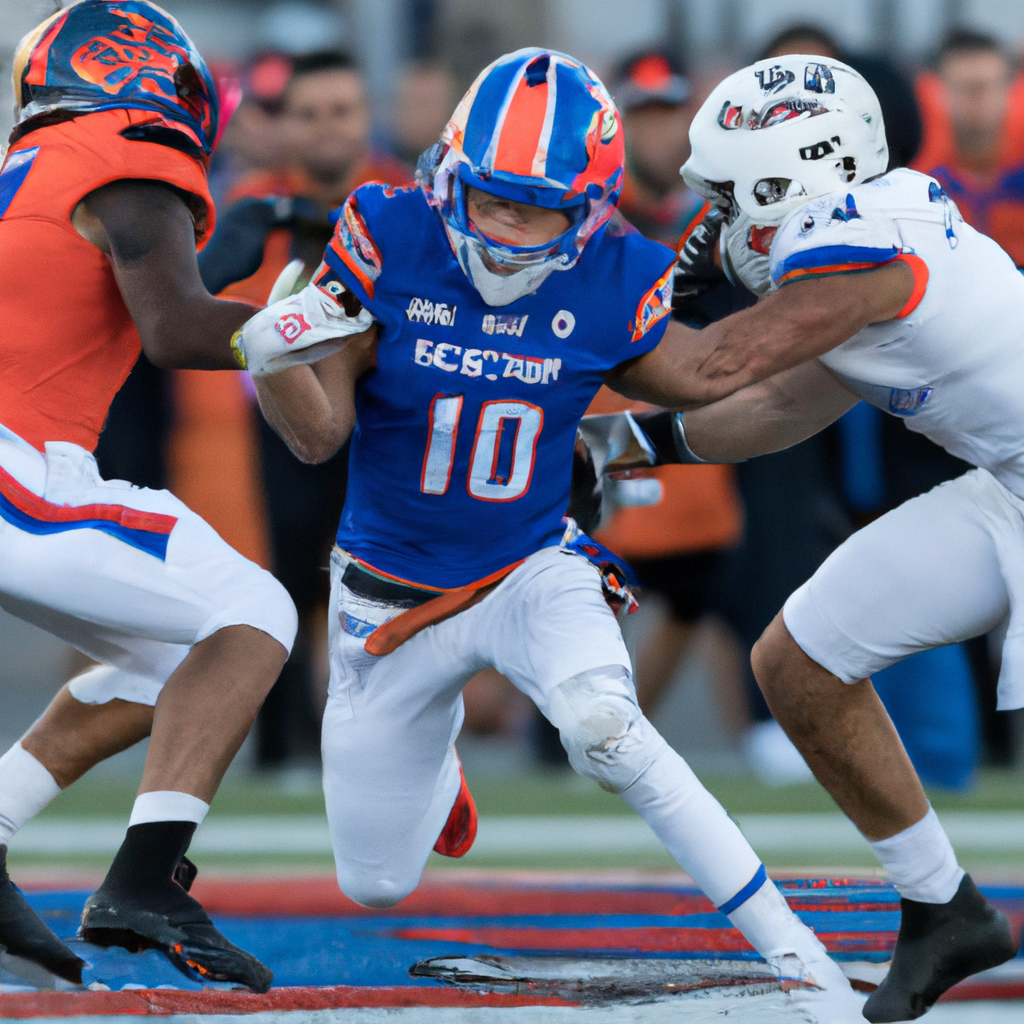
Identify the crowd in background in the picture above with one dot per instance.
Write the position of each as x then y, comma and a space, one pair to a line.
711, 544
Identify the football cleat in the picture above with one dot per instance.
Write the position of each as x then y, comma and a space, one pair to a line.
816, 986
459, 830
23, 934
183, 932
939, 944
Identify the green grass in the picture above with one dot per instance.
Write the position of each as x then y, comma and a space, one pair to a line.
535, 793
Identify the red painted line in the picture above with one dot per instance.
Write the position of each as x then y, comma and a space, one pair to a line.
320, 897
163, 1002
645, 940
971, 990
569, 940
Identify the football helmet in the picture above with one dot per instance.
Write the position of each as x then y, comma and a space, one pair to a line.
114, 54
538, 127
781, 131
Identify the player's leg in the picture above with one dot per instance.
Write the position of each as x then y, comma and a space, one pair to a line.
553, 635
927, 574
147, 576
69, 738
391, 774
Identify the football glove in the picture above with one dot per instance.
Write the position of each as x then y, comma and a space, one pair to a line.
744, 249
304, 327
696, 270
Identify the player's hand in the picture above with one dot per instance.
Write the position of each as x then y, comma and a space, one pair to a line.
745, 252
697, 270
301, 328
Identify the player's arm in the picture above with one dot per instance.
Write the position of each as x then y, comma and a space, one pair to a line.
773, 414
796, 323
312, 407
146, 228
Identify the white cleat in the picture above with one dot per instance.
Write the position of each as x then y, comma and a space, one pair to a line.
818, 988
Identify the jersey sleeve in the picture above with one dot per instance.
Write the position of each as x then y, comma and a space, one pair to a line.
651, 267
354, 256
832, 236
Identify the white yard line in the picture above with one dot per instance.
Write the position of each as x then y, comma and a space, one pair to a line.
516, 836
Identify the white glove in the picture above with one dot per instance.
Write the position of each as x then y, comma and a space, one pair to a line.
744, 250
301, 328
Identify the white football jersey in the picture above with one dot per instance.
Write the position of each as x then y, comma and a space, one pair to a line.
952, 364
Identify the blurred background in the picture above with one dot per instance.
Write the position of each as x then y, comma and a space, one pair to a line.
326, 95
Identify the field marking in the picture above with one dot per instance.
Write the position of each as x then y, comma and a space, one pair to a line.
518, 836
666, 1012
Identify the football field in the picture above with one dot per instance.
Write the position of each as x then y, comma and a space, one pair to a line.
566, 909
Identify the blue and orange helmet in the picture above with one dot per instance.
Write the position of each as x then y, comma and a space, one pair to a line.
115, 54
537, 126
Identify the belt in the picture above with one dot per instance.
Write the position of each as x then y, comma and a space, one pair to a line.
368, 584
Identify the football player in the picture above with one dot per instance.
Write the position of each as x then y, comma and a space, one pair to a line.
892, 298
103, 200
501, 298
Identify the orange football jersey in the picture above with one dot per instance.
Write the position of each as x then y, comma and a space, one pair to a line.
67, 341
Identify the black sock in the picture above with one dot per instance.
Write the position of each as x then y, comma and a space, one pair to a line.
148, 856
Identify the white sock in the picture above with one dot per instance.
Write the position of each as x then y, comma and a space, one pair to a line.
167, 805
769, 925
920, 861
26, 787
693, 826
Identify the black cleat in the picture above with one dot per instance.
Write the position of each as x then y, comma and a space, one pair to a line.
23, 934
185, 873
181, 930
939, 944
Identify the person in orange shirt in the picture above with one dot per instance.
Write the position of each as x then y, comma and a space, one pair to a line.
278, 216
973, 106
103, 200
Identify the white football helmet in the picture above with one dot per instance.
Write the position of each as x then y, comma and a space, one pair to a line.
783, 130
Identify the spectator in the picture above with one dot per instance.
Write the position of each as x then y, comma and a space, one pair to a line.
255, 138
975, 137
653, 97
279, 215
424, 98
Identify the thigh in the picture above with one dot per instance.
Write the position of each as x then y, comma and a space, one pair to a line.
545, 624
129, 576
924, 575
390, 770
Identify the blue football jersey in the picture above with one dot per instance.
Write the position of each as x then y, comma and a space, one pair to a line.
462, 454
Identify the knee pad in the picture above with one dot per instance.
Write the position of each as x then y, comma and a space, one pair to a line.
375, 893
258, 600
105, 683
602, 728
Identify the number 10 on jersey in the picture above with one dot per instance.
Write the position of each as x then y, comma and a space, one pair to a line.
504, 448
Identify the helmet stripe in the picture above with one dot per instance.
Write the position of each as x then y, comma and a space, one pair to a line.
525, 117
540, 156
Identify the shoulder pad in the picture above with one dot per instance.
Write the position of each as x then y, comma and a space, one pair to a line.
839, 233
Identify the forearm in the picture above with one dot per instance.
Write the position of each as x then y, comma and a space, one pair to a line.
296, 406
804, 320
192, 334
312, 407
766, 417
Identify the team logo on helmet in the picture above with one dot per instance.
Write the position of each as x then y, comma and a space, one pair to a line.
818, 78
774, 78
136, 47
106, 55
